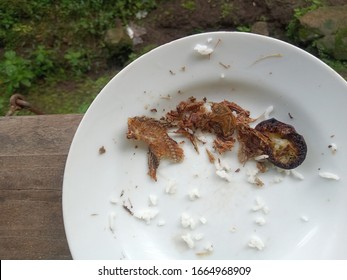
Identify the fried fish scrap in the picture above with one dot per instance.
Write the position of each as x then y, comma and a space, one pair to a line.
252, 143
192, 115
160, 145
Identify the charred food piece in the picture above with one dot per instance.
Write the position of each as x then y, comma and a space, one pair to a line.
286, 148
160, 145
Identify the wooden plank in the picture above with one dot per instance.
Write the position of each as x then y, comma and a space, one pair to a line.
33, 151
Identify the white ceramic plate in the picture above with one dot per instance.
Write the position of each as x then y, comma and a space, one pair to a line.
306, 219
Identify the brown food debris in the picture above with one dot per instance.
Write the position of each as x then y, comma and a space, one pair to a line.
227, 121
102, 150
127, 208
160, 145
211, 157
286, 148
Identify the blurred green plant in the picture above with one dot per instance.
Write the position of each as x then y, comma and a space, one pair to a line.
78, 61
15, 73
243, 28
294, 24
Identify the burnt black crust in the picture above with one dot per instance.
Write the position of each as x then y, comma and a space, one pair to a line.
288, 132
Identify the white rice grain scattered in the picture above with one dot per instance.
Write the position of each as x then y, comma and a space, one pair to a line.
187, 221
297, 174
209, 247
268, 111
203, 49
256, 243
171, 187
252, 176
153, 200
194, 194
261, 157
329, 175
260, 206
224, 175
304, 218
111, 218
233, 229
147, 214
277, 179
198, 236
260, 221
333, 147
187, 238
114, 200
203, 220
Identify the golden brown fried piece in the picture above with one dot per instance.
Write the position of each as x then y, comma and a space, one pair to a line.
192, 115
222, 145
221, 120
286, 148
252, 143
160, 145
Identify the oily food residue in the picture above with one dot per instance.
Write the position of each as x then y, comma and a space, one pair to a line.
277, 141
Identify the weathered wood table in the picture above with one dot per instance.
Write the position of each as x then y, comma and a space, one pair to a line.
33, 152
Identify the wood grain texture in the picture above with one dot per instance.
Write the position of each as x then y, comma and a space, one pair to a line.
33, 151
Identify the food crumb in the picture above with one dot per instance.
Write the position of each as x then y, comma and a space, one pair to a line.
147, 214
211, 157
304, 218
256, 243
268, 111
198, 236
203, 49
260, 221
171, 187
224, 175
260, 205
194, 194
114, 200
102, 150
277, 179
111, 218
187, 238
329, 175
261, 157
233, 229
209, 247
187, 221
333, 147
153, 200
203, 220
297, 174
253, 178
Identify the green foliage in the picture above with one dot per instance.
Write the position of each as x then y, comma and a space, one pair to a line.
243, 28
294, 24
77, 61
226, 9
15, 72
43, 39
43, 61
189, 5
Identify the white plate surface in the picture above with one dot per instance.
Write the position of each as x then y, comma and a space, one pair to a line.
306, 218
